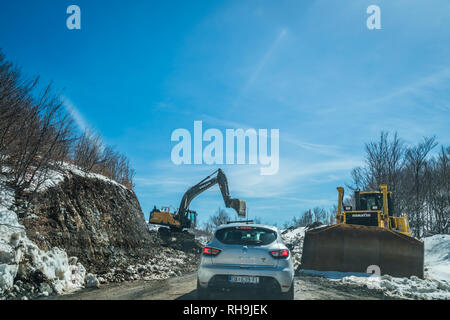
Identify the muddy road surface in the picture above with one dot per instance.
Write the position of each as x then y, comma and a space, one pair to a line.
184, 288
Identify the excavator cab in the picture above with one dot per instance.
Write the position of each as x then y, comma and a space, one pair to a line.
363, 237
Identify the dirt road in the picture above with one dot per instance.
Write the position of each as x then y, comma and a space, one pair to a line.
184, 288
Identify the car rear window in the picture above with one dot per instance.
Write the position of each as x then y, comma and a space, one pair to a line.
244, 235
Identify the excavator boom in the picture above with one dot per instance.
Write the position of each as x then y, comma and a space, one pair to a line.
183, 217
217, 177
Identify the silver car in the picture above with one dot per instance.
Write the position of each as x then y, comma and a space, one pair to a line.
241, 256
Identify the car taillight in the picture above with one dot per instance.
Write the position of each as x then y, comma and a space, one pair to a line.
280, 254
211, 251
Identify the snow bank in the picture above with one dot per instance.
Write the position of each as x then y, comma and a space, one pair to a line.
20, 257
202, 239
55, 177
76, 170
437, 257
293, 238
166, 263
153, 227
436, 284
405, 288
290, 234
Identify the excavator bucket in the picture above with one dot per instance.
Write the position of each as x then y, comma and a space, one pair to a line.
353, 248
240, 206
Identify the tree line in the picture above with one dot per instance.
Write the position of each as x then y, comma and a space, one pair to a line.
222, 217
310, 216
38, 135
418, 175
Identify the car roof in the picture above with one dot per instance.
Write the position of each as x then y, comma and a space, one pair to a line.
243, 224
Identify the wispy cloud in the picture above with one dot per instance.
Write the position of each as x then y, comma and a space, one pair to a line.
260, 66
266, 57
324, 149
76, 114
419, 87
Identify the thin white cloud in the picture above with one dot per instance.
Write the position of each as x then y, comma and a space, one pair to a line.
325, 149
260, 66
76, 115
419, 87
266, 57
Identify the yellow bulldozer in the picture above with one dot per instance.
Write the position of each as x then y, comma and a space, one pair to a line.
368, 237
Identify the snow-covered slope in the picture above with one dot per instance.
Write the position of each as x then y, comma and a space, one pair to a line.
404, 288
56, 177
437, 257
21, 258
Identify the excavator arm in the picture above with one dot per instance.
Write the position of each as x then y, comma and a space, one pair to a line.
217, 177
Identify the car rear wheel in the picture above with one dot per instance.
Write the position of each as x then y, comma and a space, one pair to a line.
288, 295
202, 293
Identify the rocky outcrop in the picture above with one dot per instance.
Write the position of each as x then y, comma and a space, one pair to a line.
82, 230
26, 270
96, 220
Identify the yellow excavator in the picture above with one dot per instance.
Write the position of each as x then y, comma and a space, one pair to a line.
368, 237
185, 218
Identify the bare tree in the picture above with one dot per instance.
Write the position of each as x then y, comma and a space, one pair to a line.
384, 164
219, 218
414, 178
88, 151
37, 136
42, 142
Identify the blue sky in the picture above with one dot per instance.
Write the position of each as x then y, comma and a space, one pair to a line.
138, 70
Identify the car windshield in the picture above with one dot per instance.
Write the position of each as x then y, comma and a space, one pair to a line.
244, 235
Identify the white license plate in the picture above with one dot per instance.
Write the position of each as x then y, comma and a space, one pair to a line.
243, 279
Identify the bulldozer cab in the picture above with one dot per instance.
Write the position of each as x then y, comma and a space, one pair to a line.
370, 201
370, 208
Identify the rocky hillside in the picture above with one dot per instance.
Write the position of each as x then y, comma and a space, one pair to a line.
95, 220
82, 230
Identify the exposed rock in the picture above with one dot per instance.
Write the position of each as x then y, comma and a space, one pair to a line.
92, 281
98, 222
25, 267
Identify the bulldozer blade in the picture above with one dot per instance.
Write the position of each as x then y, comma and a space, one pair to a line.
353, 248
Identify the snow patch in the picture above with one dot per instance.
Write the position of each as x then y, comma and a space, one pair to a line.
403, 288
436, 284
437, 257
293, 238
19, 256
